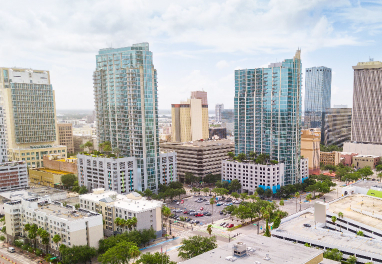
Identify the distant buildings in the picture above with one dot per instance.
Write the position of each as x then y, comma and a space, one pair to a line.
304, 169
29, 107
310, 148
367, 103
199, 157
218, 112
112, 205
65, 136
220, 132
75, 227
268, 114
330, 158
126, 102
361, 161
336, 126
13, 175
121, 174
190, 118
318, 83
228, 120
252, 175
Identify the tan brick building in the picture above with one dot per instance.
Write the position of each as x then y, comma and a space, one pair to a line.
65, 136
362, 161
310, 148
65, 165
330, 158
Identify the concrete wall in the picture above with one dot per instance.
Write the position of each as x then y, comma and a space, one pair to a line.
363, 149
60, 165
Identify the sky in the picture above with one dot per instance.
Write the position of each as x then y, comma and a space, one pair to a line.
197, 44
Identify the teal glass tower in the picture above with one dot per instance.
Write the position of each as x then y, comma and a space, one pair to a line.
268, 113
125, 90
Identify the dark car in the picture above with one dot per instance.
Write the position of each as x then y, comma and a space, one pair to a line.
188, 219
228, 200
207, 214
221, 212
222, 224
307, 225
197, 222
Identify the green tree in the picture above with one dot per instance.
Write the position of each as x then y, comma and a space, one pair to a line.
76, 254
333, 254
56, 239
206, 190
380, 176
212, 202
242, 212
297, 194
231, 155
196, 245
308, 197
360, 233
77, 206
365, 172
235, 185
281, 202
244, 196
276, 223
209, 229
260, 191
2, 238
120, 253
334, 219
241, 157
117, 151
68, 180
155, 258
378, 167
148, 193
268, 193
89, 145
235, 195
82, 190
351, 260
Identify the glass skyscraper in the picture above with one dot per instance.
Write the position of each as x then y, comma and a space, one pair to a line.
125, 90
318, 89
268, 113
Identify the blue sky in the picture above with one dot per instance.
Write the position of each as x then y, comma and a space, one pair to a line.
197, 44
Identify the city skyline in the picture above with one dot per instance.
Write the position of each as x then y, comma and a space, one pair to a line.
191, 54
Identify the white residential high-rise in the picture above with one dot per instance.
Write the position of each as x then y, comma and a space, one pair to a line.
218, 112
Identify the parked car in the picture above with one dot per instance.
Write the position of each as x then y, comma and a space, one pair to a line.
185, 212
192, 221
188, 219
218, 204
201, 208
174, 201
11, 250
221, 212
197, 222
207, 203
182, 201
307, 225
231, 225
192, 210
192, 213
179, 211
207, 214
226, 225
229, 200
222, 224
199, 215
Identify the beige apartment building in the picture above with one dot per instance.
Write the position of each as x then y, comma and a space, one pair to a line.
310, 148
112, 205
330, 158
200, 157
190, 118
30, 115
361, 161
65, 136
75, 227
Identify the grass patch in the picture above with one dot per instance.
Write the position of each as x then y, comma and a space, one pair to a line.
374, 193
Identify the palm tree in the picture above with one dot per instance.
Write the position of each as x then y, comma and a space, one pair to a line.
56, 239
212, 206
89, 145
297, 194
117, 151
100, 146
340, 215
134, 221
380, 176
334, 219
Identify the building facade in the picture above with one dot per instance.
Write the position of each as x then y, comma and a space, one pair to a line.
121, 175
336, 126
367, 104
68, 165
45, 177
219, 108
304, 169
13, 175
347, 158
190, 118
318, 93
330, 158
30, 114
363, 149
219, 132
65, 136
3, 137
361, 161
310, 148
268, 113
199, 157
112, 205
252, 175
75, 227
126, 102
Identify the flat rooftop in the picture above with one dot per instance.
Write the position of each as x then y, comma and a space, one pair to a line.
359, 203
279, 251
30, 193
368, 184
296, 227
197, 144
67, 213
52, 171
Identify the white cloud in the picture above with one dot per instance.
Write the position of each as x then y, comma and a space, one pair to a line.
222, 64
64, 36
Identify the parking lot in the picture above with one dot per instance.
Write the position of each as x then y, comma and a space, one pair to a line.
190, 204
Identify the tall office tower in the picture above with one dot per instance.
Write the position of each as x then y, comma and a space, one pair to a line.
65, 136
218, 112
190, 118
126, 102
336, 126
30, 115
318, 89
268, 113
366, 124
3, 138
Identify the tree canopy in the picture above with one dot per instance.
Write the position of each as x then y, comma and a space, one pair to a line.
68, 180
77, 254
120, 253
195, 246
155, 258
